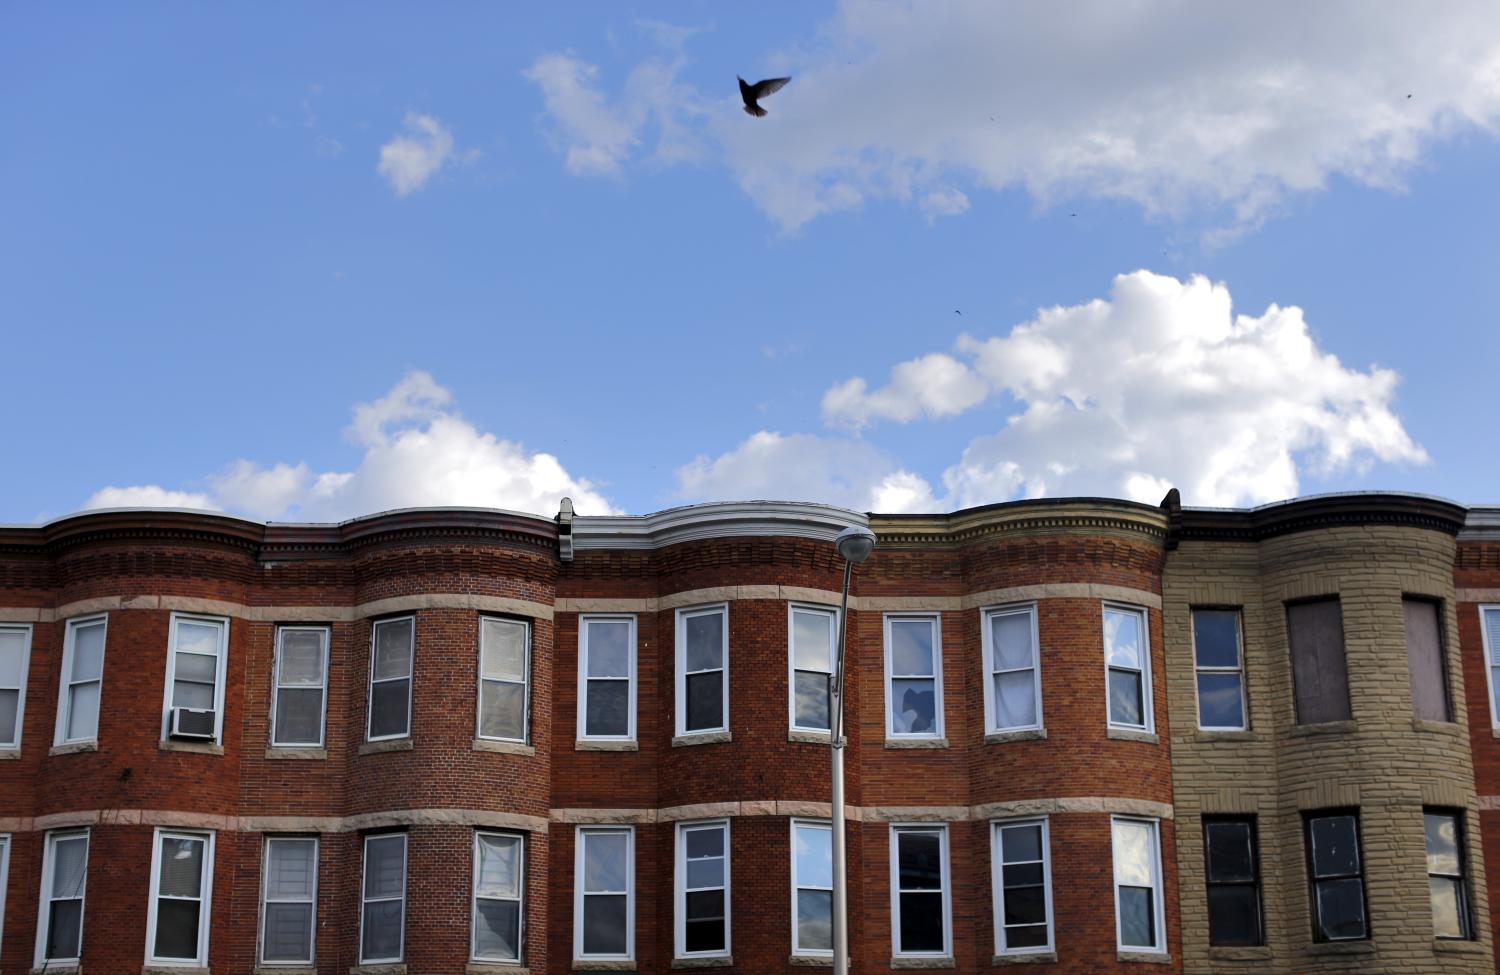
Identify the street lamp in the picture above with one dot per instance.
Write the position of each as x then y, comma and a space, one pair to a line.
855, 544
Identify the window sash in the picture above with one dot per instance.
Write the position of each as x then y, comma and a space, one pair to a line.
1455, 880
4, 882
10, 738
67, 702
524, 683
683, 888
310, 900
280, 685
1320, 878
203, 898
411, 666
1252, 883
797, 666
999, 863
1154, 888
1489, 638
1143, 671
366, 900
49, 896
899, 833
1237, 670
935, 632
580, 896
683, 673
519, 899
586, 682
174, 655
994, 669
799, 884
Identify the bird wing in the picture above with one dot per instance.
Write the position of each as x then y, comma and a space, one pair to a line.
770, 86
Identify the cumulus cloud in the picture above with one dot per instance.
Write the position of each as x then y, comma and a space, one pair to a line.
409, 160
1159, 385
418, 452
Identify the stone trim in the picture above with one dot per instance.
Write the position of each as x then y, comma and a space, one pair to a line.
1073, 804
1365, 947
702, 738
606, 745
1063, 590
715, 961
943, 961
1024, 734
279, 614
886, 604
1459, 595
810, 961
504, 747
604, 965
702, 810
286, 753
389, 745
1144, 957
1428, 726
272, 824
10, 754
1128, 734
199, 747
1453, 946
1324, 728
1241, 953
495, 968
899, 743
74, 748
397, 969
1029, 958
603, 817
58, 970
809, 737
915, 814
283, 970
1205, 735
173, 970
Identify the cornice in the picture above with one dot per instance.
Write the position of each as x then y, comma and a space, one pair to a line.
1020, 518
1482, 524
1313, 513
711, 521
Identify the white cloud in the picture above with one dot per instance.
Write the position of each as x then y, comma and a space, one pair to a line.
409, 160
418, 452
1160, 385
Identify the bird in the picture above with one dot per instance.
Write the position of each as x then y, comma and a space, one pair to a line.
753, 93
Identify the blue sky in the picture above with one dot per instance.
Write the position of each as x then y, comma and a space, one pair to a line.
306, 263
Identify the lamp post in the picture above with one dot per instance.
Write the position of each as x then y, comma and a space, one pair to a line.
855, 544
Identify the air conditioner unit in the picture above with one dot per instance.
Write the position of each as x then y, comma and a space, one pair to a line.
194, 723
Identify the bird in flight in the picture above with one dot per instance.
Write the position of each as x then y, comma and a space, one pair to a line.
753, 93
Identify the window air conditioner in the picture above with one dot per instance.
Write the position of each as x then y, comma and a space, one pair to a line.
194, 723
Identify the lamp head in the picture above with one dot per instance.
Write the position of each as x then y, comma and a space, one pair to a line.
855, 543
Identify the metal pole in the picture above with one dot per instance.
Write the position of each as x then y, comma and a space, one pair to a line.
836, 739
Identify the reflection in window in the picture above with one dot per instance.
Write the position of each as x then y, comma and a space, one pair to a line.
812, 881
702, 903
83, 672
503, 672
1137, 885
812, 645
1445, 875
913, 672
1218, 662
1127, 658
603, 922
607, 652
702, 698
390, 678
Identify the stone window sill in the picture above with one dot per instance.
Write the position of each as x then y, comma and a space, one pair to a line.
1209, 735
896, 743
943, 961
1021, 734
1128, 734
74, 748
808, 737
1239, 953
605, 745
1341, 948
58, 970
1029, 958
173, 970
718, 961
399, 968
288, 753
504, 747
198, 747
1325, 728
1144, 957
496, 968
1453, 946
1437, 727
811, 961
701, 738
380, 747
1495, 733
603, 965
9, 754
283, 970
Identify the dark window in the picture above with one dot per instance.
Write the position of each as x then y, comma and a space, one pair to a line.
1445, 875
1424, 660
1319, 676
1338, 883
1233, 881
1219, 666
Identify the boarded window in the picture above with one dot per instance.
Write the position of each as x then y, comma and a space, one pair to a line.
1318, 670
1424, 660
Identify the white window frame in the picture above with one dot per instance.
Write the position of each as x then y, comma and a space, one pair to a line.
25, 630
826, 826
578, 894
1158, 907
1148, 704
1491, 658
65, 683
583, 677
997, 880
939, 728
221, 671
480, 679
265, 899
680, 891
520, 899
410, 678
205, 896
832, 615
327, 635
363, 900
1238, 671
944, 878
4, 882
991, 710
44, 900
683, 615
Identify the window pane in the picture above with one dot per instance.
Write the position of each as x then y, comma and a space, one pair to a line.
913, 706
385, 867
604, 923
1021, 843
176, 929
608, 708
1233, 915
12, 644
705, 905
1122, 639
1137, 918
382, 930
812, 640
1015, 699
291, 868
288, 934
1030, 936
922, 922
1219, 701
1125, 705
1216, 637
920, 862
499, 859
605, 856
608, 648
1335, 846
1229, 856
83, 711
181, 867
388, 708
1021, 874
10, 705
1011, 636
64, 925
497, 929
815, 920
705, 842
69, 860
704, 935
705, 641
705, 701
200, 638
705, 873
196, 667
911, 647
190, 694
1134, 860
813, 705
502, 710
1025, 905
504, 650
393, 649
814, 856
88, 652
1447, 910
1442, 844
299, 716
301, 658
1341, 909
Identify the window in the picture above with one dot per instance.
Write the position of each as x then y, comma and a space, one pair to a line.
1424, 660
289, 900
499, 878
919, 890
15, 653
1489, 633
914, 669
1013, 688
301, 686
1219, 661
1338, 885
195, 669
83, 673
4, 877
391, 650
1023, 886
812, 636
1138, 915
702, 905
702, 670
604, 885
1233, 881
1127, 661
812, 888
382, 918
65, 862
1320, 681
504, 676
182, 870
606, 677
1445, 875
